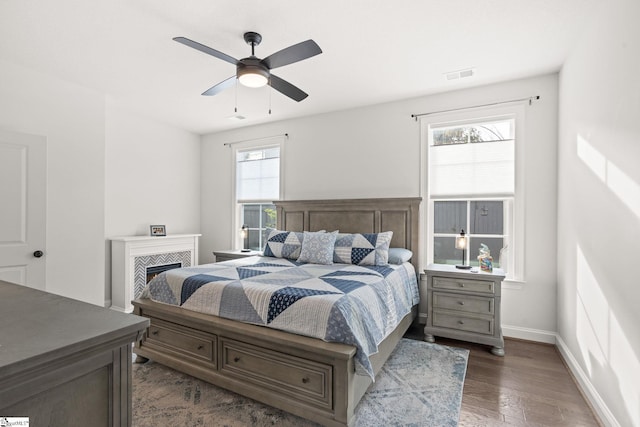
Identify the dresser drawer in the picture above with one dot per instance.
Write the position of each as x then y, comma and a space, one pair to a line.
302, 379
462, 302
184, 340
468, 285
461, 322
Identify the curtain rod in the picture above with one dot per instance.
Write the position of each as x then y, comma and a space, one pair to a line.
530, 99
228, 144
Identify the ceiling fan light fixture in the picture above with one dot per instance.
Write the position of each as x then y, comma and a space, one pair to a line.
255, 72
253, 76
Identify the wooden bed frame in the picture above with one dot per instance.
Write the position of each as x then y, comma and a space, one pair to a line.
301, 375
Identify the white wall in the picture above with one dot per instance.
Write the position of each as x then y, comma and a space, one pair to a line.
104, 168
152, 177
599, 212
72, 119
374, 152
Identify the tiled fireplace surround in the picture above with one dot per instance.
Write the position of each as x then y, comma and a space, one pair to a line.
132, 255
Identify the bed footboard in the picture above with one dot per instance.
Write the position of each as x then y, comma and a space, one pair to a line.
304, 376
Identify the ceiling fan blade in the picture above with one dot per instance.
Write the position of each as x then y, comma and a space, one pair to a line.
286, 88
220, 86
206, 49
291, 54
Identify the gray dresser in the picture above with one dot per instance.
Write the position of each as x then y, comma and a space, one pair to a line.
464, 305
64, 362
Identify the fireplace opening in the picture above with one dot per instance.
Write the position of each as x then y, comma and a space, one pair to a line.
154, 270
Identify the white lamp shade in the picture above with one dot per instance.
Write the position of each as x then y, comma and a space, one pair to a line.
252, 80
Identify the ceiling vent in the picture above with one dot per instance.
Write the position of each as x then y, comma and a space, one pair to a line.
459, 74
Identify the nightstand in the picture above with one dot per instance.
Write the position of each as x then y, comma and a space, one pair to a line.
464, 305
234, 254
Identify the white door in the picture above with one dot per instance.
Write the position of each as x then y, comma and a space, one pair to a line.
23, 208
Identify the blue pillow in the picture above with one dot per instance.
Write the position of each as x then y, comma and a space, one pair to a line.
283, 244
363, 248
399, 255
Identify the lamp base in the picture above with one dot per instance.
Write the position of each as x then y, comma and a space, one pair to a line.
463, 267
245, 250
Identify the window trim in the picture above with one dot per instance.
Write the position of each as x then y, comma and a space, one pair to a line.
516, 225
277, 141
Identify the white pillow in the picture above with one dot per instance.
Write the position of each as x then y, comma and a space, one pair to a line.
317, 247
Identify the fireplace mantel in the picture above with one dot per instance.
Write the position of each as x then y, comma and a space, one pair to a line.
131, 255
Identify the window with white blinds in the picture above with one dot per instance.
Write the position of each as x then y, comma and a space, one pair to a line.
471, 182
472, 159
258, 175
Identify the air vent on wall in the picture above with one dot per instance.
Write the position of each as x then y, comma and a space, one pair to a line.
459, 74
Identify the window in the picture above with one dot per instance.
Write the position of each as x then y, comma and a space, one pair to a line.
473, 184
257, 186
482, 220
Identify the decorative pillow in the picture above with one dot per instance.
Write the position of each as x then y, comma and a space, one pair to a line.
399, 255
363, 249
283, 244
317, 247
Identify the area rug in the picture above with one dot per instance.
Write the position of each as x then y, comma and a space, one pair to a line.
420, 385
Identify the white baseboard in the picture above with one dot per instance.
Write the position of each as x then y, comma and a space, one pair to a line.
529, 334
589, 391
584, 383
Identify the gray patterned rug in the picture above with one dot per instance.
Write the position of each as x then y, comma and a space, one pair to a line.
420, 385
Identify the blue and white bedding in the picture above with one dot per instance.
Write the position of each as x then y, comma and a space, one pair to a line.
345, 303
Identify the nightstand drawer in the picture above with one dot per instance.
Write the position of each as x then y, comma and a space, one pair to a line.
463, 323
482, 286
461, 302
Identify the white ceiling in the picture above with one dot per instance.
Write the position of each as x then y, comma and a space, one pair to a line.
373, 51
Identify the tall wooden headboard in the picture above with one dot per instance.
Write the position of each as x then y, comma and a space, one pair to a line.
400, 215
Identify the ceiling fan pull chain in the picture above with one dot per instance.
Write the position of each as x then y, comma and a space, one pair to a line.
235, 108
270, 90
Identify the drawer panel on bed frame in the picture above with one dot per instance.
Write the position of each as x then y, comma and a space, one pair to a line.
186, 341
302, 379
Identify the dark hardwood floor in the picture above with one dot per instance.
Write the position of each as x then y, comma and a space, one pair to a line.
530, 386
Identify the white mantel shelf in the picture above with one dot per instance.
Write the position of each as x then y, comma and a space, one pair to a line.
131, 255
168, 237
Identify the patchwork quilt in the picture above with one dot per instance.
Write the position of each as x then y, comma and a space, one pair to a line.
346, 303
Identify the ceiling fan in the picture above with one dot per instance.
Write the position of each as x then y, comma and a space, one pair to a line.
255, 72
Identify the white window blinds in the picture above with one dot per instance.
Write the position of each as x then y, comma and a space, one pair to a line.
258, 175
472, 159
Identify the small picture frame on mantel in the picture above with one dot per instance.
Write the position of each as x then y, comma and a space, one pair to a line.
158, 230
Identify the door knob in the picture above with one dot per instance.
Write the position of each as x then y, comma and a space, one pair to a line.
38, 254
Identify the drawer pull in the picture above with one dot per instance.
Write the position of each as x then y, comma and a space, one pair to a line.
462, 285
460, 322
236, 359
461, 302
155, 332
200, 347
305, 380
